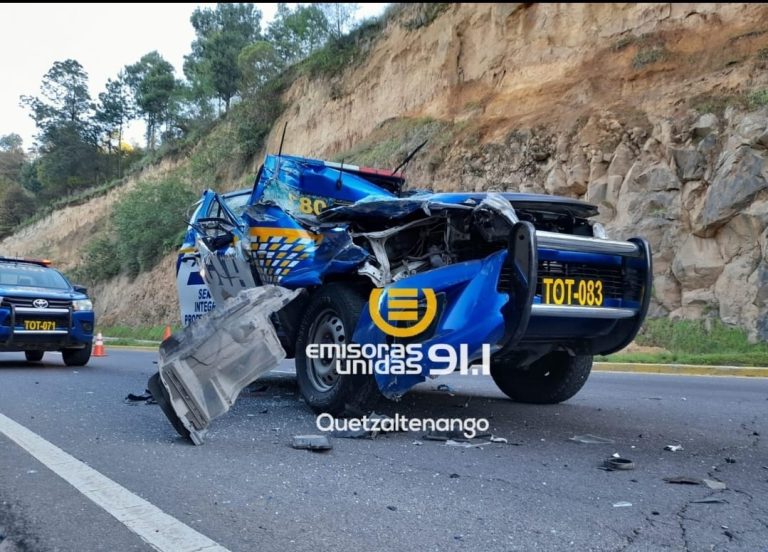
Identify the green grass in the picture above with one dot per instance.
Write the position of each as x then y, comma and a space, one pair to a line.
695, 342
123, 342
129, 333
709, 359
392, 140
697, 337
706, 103
709, 104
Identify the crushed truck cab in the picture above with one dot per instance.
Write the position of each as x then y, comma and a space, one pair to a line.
528, 285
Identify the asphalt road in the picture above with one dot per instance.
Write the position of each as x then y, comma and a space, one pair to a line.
247, 489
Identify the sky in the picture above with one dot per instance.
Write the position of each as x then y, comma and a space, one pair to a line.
102, 37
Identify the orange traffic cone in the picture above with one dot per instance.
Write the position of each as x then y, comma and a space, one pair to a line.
98, 348
167, 333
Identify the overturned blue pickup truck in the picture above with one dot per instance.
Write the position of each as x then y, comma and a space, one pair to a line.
526, 284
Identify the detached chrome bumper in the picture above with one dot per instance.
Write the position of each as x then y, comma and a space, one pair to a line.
204, 367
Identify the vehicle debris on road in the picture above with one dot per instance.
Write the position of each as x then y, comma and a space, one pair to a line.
353, 434
589, 439
446, 389
683, 480
463, 444
146, 398
204, 367
709, 501
445, 436
622, 504
674, 448
370, 426
317, 443
713, 484
618, 464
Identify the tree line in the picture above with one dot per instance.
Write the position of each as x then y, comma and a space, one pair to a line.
80, 140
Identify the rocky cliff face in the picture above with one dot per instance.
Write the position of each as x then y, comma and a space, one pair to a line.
698, 191
656, 112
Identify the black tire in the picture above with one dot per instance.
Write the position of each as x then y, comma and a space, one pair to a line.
554, 378
331, 317
161, 396
77, 357
34, 356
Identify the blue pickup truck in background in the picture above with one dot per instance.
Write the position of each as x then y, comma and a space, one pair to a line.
530, 279
41, 311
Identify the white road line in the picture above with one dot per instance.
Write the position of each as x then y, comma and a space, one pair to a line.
161, 531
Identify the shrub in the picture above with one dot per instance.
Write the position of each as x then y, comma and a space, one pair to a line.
757, 99
253, 118
149, 221
334, 57
393, 139
424, 14
100, 261
648, 55
623, 42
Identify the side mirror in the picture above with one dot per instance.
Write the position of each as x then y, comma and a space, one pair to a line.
81, 289
219, 242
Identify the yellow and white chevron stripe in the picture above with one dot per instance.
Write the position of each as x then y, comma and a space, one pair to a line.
279, 250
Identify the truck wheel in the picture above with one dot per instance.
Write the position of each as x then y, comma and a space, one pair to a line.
553, 378
161, 396
331, 317
77, 357
34, 356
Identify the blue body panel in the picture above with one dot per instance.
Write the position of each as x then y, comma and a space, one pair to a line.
470, 314
316, 178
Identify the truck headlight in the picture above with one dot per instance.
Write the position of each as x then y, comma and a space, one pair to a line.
82, 305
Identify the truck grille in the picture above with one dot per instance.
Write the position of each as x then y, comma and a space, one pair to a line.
27, 302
